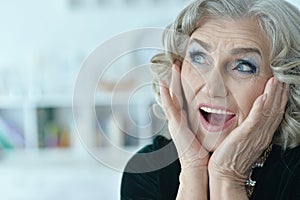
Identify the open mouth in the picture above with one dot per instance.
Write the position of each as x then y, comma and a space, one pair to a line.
215, 119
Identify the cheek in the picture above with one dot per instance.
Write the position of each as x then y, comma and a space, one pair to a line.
245, 99
191, 80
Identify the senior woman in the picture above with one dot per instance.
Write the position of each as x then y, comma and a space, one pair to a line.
230, 92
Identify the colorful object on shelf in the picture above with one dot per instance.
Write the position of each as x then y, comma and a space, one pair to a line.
10, 135
51, 133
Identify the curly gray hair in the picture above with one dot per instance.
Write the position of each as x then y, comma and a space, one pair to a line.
281, 22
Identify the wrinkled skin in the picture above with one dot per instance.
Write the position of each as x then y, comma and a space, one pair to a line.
226, 67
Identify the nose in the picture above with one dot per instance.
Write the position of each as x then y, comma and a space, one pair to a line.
215, 85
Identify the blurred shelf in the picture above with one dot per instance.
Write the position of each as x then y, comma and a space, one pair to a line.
65, 156
51, 121
123, 98
66, 100
54, 100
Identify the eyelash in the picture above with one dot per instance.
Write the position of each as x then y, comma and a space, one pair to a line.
253, 68
194, 54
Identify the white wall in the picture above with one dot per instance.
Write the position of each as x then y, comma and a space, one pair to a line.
37, 27
32, 28
49, 38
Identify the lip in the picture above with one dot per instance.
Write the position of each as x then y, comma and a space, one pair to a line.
213, 128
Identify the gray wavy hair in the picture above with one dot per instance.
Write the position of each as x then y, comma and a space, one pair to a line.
281, 22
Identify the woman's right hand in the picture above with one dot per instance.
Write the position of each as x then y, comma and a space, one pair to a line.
190, 151
192, 156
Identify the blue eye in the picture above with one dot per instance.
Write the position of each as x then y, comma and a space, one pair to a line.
197, 57
245, 67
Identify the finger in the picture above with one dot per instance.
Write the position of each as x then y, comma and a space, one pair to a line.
248, 137
166, 99
272, 108
175, 126
271, 114
284, 96
278, 94
280, 100
260, 109
182, 136
270, 90
188, 146
278, 108
175, 86
275, 104
255, 115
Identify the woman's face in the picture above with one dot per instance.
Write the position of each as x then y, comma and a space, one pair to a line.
225, 69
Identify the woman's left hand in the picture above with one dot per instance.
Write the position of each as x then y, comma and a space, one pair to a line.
232, 160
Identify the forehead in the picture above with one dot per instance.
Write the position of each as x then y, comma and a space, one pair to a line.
243, 33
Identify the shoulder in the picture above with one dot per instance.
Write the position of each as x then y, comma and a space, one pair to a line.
284, 162
289, 159
158, 143
147, 172
280, 176
153, 157
293, 161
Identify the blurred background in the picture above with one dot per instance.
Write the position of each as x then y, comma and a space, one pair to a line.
43, 46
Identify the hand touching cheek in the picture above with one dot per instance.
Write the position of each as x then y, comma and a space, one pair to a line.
233, 159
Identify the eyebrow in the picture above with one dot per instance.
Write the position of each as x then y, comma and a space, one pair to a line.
205, 45
235, 51
245, 50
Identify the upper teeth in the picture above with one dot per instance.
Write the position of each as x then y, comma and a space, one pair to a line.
216, 111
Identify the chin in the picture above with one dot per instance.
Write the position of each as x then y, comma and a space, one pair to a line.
211, 146
211, 141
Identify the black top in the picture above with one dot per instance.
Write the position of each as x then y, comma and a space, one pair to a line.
279, 179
